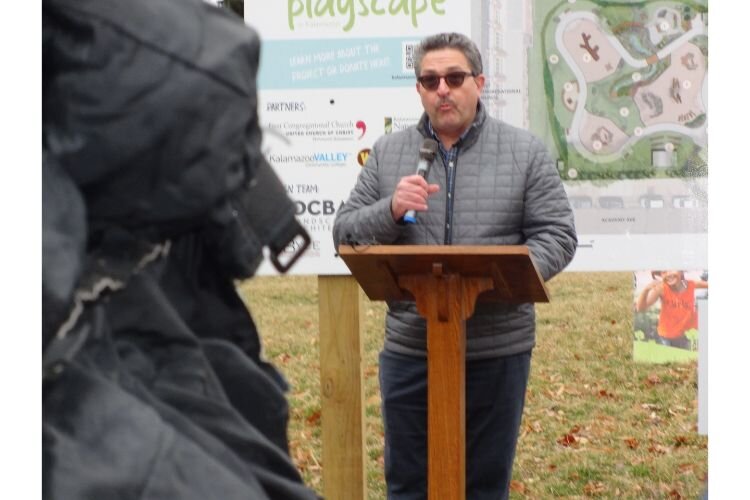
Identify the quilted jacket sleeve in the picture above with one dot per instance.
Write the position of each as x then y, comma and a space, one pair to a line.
366, 216
548, 223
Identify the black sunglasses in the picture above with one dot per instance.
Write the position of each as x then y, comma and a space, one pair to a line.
453, 80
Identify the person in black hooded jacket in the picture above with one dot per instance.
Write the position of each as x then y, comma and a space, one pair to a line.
153, 382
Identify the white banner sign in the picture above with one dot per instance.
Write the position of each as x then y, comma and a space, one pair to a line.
618, 95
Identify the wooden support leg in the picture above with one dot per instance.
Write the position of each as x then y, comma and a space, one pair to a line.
446, 301
342, 392
446, 406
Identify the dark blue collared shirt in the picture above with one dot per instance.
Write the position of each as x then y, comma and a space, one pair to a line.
450, 162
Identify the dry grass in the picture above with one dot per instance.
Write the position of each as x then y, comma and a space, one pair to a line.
595, 423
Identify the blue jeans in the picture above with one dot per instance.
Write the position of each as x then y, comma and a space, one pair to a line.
495, 394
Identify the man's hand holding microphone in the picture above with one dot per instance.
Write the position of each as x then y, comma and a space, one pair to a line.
412, 191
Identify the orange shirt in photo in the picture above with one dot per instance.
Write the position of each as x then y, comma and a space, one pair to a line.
677, 311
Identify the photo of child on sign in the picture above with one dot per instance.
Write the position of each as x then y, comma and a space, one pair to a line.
666, 314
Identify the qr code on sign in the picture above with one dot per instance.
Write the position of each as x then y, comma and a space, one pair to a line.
407, 59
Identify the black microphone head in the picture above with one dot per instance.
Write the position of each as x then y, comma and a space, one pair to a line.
429, 149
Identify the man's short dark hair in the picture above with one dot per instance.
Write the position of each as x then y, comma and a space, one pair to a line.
449, 41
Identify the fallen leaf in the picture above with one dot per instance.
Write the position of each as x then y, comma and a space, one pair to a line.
681, 441
313, 418
518, 487
631, 442
659, 449
675, 495
593, 488
653, 379
686, 468
567, 440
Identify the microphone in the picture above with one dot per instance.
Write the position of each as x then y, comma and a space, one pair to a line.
426, 155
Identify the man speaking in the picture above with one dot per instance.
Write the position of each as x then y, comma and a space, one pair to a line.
490, 184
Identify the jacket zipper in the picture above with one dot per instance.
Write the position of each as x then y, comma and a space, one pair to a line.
450, 169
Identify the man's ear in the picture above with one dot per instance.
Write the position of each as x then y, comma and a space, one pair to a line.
479, 79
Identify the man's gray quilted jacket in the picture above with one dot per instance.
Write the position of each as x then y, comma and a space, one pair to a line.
507, 192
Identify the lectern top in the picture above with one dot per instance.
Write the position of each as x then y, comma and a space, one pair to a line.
377, 268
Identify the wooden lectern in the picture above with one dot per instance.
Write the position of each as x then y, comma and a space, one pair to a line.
446, 282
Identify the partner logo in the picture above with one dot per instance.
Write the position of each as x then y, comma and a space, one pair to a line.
316, 207
327, 130
362, 156
315, 159
395, 124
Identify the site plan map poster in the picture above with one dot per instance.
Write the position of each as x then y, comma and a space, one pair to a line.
616, 89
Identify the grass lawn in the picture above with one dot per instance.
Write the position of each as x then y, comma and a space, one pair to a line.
595, 422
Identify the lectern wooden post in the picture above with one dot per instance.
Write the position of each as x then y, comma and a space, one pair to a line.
446, 282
